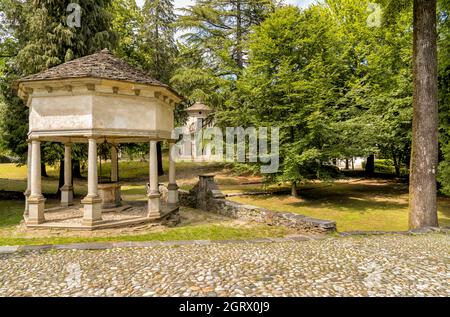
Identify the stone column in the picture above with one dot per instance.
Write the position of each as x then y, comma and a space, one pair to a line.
92, 202
67, 189
154, 204
116, 191
172, 187
28, 190
114, 165
36, 202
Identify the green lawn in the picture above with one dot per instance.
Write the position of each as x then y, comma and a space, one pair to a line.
368, 206
133, 175
354, 205
11, 214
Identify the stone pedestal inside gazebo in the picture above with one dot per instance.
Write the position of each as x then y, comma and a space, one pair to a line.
110, 195
97, 98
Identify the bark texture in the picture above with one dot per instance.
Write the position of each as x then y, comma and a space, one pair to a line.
370, 165
294, 192
424, 154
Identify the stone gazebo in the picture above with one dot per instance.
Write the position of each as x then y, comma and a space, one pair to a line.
93, 99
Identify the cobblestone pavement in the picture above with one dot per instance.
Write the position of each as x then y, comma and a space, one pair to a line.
392, 265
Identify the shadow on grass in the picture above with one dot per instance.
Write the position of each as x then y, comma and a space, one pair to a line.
11, 212
347, 197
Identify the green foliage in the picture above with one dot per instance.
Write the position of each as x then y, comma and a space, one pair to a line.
336, 86
444, 94
127, 22
214, 48
43, 39
146, 35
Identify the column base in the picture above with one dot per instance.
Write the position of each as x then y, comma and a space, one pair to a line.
66, 196
92, 210
154, 206
172, 195
36, 206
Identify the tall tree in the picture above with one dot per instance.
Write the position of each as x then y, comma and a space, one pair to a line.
294, 79
216, 31
44, 39
127, 23
444, 94
159, 40
424, 155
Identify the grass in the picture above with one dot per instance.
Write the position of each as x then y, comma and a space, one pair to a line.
354, 205
364, 205
133, 175
11, 215
204, 232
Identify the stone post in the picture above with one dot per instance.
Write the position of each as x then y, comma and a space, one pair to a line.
114, 165
36, 202
67, 189
28, 190
172, 187
92, 202
207, 189
154, 204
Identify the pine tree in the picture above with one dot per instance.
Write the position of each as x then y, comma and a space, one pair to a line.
43, 40
158, 38
216, 33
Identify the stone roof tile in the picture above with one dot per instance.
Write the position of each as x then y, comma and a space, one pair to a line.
198, 106
101, 65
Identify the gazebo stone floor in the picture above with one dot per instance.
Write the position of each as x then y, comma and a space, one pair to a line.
128, 214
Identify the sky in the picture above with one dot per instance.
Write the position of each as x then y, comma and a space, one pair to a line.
185, 3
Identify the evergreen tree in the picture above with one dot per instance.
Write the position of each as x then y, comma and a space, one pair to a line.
158, 38
216, 32
44, 39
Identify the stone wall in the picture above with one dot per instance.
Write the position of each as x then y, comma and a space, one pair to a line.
206, 195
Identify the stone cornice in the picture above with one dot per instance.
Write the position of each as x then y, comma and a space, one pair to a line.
112, 135
89, 86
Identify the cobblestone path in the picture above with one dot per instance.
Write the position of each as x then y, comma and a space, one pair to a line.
392, 265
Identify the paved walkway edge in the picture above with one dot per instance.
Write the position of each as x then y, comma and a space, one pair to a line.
143, 244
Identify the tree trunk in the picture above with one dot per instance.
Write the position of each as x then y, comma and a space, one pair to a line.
76, 169
160, 162
424, 153
239, 53
397, 170
396, 164
43, 170
370, 165
61, 177
347, 164
294, 192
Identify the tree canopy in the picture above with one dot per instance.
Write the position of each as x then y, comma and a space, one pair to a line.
335, 77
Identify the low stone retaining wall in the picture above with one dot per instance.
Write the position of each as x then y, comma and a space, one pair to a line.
206, 195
